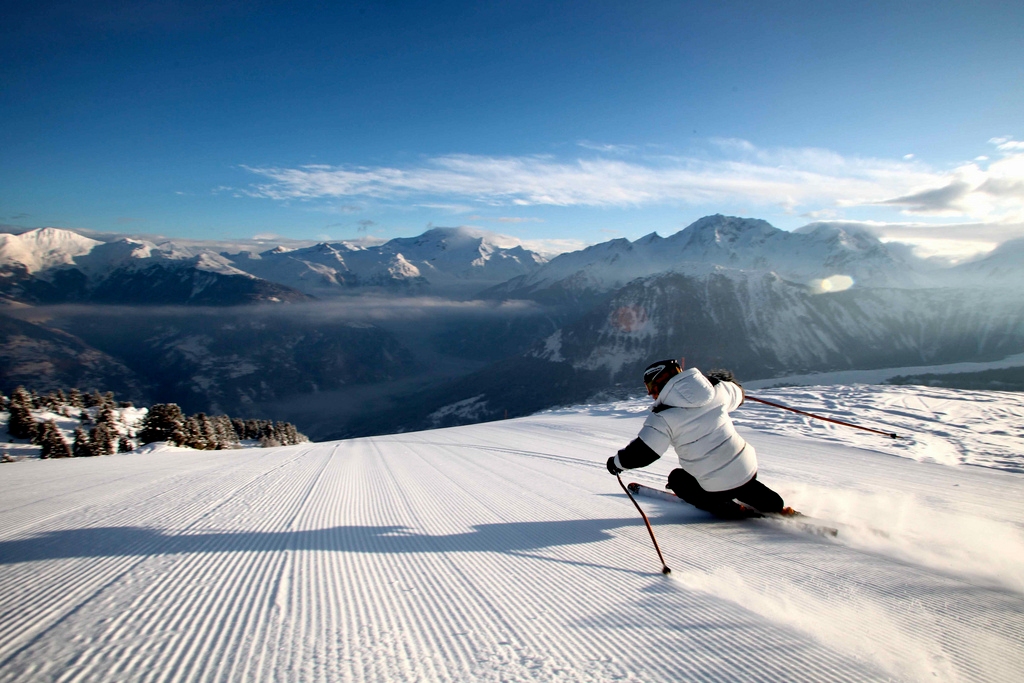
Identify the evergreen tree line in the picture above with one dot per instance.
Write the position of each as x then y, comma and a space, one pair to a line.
166, 422
59, 399
163, 422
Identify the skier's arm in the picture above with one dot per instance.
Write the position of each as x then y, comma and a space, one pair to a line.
643, 450
728, 381
735, 393
636, 454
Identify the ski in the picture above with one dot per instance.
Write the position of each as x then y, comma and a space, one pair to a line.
798, 521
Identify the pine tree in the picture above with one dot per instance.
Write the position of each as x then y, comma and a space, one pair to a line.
52, 442
191, 431
53, 400
163, 422
21, 424
224, 432
82, 447
124, 445
253, 429
102, 438
106, 415
75, 399
200, 433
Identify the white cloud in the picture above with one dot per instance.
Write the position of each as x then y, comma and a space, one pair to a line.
549, 248
802, 181
504, 219
606, 148
792, 177
449, 208
992, 193
951, 242
1008, 144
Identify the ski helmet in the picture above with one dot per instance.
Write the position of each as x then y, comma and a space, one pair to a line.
659, 373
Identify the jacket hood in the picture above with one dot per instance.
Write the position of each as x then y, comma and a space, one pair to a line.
688, 389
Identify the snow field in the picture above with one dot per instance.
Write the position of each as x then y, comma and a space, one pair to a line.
947, 426
127, 420
502, 552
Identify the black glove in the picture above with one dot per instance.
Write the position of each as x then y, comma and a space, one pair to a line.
612, 467
720, 375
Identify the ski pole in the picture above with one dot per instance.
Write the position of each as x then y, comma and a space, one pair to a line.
664, 567
891, 435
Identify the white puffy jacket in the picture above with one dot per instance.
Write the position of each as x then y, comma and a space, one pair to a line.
693, 416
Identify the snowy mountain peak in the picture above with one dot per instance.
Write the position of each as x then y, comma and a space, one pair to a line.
844, 235
714, 238
1004, 266
463, 236
806, 256
43, 248
719, 228
108, 255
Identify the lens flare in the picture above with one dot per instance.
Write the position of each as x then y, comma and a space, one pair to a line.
832, 283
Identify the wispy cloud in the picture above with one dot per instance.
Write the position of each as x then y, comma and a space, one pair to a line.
939, 200
549, 248
787, 175
606, 147
1008, 144
800, 180
952, 242
974, 190
517, 219
448, 208
504, 219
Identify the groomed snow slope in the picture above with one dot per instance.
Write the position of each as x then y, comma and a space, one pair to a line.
502, 552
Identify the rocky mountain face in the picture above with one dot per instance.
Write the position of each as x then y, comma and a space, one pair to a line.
35, 355
755, 324
739, 294
228, 360
760, 325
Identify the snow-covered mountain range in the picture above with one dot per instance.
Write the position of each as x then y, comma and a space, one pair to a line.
821, 255
49, 265
725, 291
441, 261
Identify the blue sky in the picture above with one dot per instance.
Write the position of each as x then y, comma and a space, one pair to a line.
576, 121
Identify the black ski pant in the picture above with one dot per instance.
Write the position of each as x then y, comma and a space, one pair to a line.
723, 503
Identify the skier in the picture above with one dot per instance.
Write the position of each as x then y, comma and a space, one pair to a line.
717, 467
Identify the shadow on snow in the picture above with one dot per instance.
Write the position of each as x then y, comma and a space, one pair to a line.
142, 541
